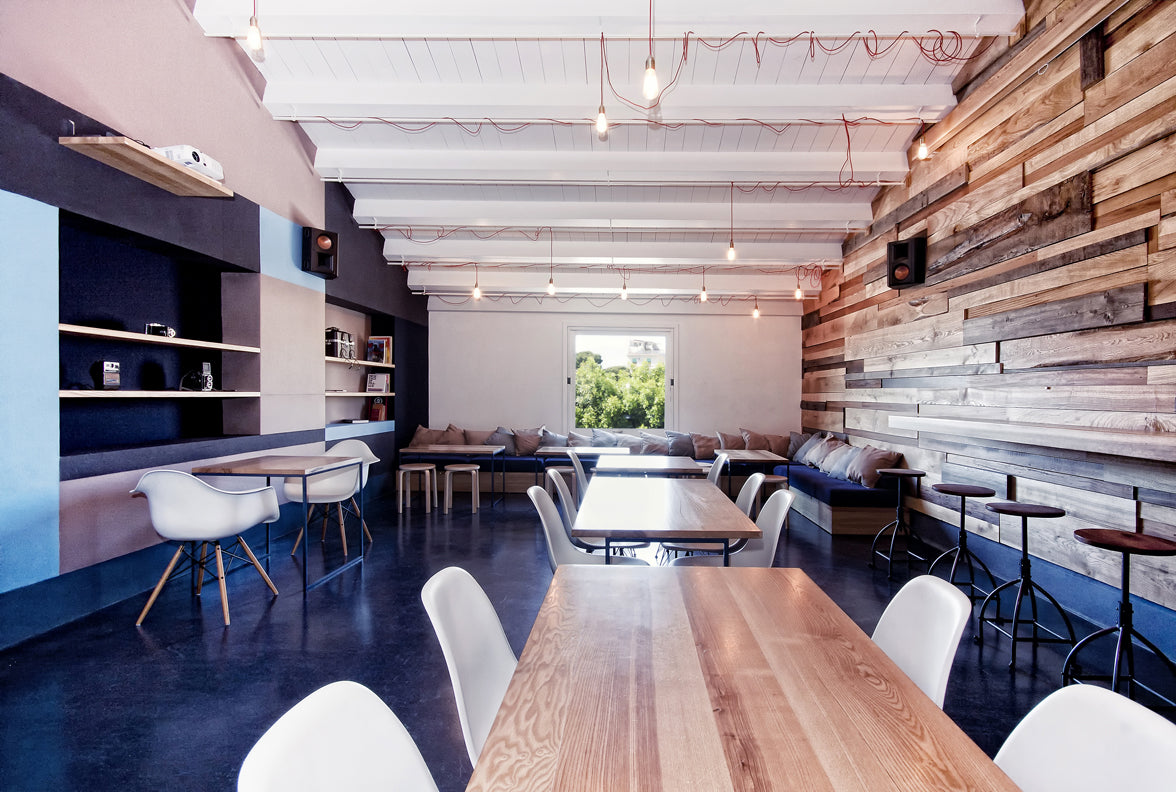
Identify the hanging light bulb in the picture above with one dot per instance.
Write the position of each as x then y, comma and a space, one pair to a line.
551, 286
755, 310
601, 123
624, 290
799, 293
731, 247
922, 152
550, 263
731, 251
649, 87
477, 288
702, 294
253, 38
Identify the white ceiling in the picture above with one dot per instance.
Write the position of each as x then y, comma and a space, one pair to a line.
466, 133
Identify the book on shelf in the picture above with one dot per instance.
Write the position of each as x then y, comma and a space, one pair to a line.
377, 409
378, 383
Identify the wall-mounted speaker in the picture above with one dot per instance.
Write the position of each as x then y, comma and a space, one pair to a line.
906, 262
320, 252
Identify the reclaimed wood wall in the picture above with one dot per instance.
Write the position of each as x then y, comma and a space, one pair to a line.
1039, 356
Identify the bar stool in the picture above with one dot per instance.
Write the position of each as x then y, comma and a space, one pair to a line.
475, 494
961, 551
1127, 544
1026, 587
427, 471
899, 525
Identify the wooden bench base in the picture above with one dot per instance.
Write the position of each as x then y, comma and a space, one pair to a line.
841, 520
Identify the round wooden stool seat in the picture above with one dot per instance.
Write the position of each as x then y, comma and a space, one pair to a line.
427, 471
898, 525
1025, 509
964, 490
413, 467
463, 467
1126, 542
962, 559
1026, 587
475, 486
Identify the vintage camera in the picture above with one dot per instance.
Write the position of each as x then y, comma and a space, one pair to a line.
106, 374
156, 329
206, 377
340, 344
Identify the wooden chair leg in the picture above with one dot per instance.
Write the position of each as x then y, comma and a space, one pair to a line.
447, 503
220, 576
342, 526
366, 532
326, 514
200, 567
425, 491
257, 566
400, 492
297, 540
159, 586
435, 501
477, 488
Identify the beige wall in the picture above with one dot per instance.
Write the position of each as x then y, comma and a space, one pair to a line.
146, 69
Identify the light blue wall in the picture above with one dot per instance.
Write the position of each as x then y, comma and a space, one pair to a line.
281, 252
29, 422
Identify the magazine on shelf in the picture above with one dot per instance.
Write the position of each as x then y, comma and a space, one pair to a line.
378, 383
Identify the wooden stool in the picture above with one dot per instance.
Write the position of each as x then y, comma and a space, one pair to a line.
1127, 544
773, 481
569, 473
475, 493
899, 525
1026, 587
428, 471
961, 551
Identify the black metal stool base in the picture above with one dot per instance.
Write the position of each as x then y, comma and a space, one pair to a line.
899, 528
1026, 587
1072, 671
961, 553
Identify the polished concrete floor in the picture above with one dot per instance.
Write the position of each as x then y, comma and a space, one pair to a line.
176, 704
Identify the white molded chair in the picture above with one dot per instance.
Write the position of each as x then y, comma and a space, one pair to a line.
478, 656
334, 488
185, 509
1085, 738
744, 501
569, 512
342, 736
920, 631
716, 469
759, 552
560, 549
581, 476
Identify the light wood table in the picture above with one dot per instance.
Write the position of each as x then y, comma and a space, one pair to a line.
703, 678
466, 452
741, 456
646, 465
304, 467
661, 509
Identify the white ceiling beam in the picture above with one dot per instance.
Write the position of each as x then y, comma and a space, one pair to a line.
531, 18
293, 100
455, 280
621, 252
599, 214
602, 166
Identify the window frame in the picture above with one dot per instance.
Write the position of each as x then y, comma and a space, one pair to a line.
625, 329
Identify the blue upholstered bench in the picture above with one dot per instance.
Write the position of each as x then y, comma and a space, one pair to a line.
839, 506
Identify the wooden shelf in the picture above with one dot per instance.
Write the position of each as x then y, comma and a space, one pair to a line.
368, 363
1159, 446
156, 394
355, 394
143, 338
141, 162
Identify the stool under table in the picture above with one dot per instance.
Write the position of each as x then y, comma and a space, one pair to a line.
898, 525
963, 558
1026, 587
1127, 544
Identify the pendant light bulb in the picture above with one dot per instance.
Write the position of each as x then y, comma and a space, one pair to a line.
649, 88
923, 152
624, 291
477, 288
253, 40
551, 286
755, 310
731, 251
799, 293
601, 122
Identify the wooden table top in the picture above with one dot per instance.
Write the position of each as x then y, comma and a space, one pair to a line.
743, 455
584, 451
275, 465
460, 450
658, 465
715, 679
618, 507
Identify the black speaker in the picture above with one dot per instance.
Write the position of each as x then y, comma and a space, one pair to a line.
320, 252
906, 262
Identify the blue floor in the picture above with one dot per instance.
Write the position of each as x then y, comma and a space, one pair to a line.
177, 704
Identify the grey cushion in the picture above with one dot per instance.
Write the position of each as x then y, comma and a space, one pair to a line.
681, 443
576, 440
801, 455
815, 455
553, 439
503, 437
837, 461
603, 438
652, 444
796, 441
631, 442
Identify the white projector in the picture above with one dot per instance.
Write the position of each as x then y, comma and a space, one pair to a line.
193, 158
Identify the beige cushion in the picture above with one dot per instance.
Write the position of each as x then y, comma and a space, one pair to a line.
864, 469
801, 455
754, 441
821, 450
832, 459
839, 468
653, 444
733, 442
527, 440
426, 436
778, 444
704, 445
477, 436
453, 435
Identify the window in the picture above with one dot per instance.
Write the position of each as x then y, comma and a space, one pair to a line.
620, 378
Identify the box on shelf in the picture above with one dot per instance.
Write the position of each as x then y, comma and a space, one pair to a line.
378, 383
340, 344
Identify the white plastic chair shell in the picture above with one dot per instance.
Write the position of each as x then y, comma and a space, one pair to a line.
480, 660
342, 736
746, 497
338, 486
758, 552
716, 468
581, 476
1085, 738
920, 631
185, 509
560, 549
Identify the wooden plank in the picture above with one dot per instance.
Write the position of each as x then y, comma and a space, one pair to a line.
1151, 341
1131, 79
827, 421
1096, 507
957, 473
981, 354
874, 421
1161, 375
1006, 469
1108, 273
972, 205
1090, 51
1166, 233
1084, 378
135, 159
969, 405
1159, 187
936, 332
1122, 305
1037, 140
1057, 213
1140, 167
929, 371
